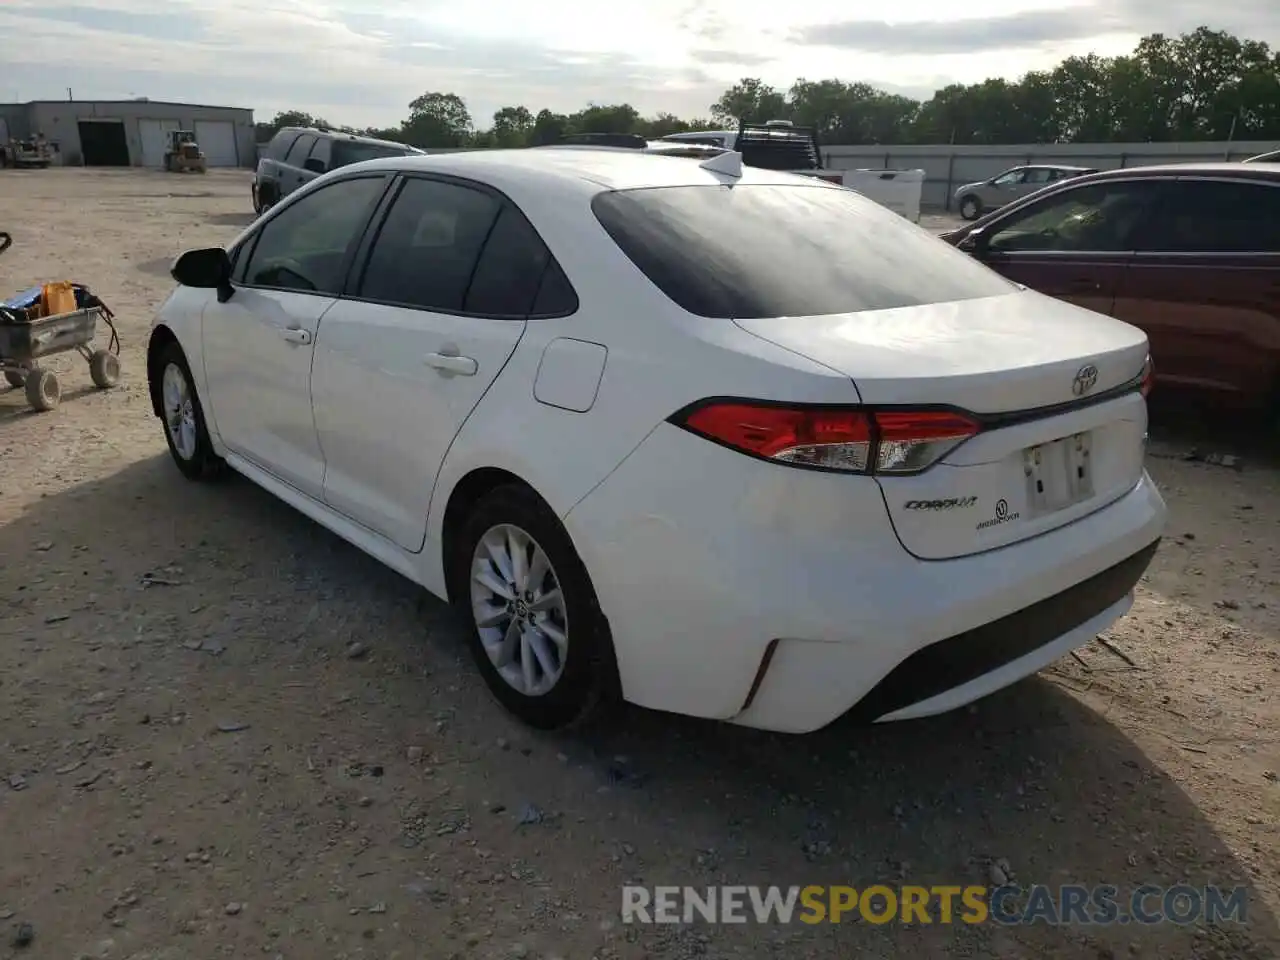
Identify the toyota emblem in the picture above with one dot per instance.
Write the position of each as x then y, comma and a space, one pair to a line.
1086, 377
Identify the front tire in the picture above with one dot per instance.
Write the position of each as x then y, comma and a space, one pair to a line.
44, 392
538, 636
970, 208
183, 418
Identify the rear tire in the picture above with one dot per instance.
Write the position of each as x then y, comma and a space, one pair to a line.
538, 636
183, 418
104, 369
970, 207
43, 389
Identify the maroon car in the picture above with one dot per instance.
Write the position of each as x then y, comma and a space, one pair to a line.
1189, 253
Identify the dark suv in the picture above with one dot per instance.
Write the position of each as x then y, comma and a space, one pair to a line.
296, 155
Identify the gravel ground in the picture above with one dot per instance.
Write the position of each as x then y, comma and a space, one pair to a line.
225, 733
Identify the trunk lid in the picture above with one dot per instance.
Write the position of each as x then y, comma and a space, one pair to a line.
1030, 367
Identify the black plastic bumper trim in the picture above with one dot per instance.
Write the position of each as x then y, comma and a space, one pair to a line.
957, 660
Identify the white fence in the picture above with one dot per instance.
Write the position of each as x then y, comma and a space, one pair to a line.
947, 167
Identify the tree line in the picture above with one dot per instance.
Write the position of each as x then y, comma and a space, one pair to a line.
1203, 85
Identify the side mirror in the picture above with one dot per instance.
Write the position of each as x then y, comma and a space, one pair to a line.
204, 269
313, 165
976, 243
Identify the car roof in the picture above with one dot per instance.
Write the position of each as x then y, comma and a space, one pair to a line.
342, 135
1219, 168
576, 169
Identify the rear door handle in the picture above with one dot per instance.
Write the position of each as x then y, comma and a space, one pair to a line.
296, 335
452, 363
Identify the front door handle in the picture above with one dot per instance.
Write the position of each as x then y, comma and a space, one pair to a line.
296, 335
452, 363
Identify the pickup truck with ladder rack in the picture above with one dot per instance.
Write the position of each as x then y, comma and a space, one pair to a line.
775, 145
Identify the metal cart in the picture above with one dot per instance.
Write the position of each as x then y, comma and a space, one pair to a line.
25, 341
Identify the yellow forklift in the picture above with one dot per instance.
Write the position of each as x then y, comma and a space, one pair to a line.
184, 153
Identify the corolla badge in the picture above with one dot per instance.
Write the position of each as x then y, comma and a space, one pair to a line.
1085, 379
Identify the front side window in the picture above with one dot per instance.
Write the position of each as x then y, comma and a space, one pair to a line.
428, 246
298, 152
1095, 218
304, 246
1216, 216
764, 250
279, 146
1008, 178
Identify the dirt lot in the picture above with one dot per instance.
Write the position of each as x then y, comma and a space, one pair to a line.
279, 748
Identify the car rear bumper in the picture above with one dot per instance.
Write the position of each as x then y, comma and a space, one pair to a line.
780, 598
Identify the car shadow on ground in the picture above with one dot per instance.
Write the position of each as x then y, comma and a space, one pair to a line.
144, 568
232, 219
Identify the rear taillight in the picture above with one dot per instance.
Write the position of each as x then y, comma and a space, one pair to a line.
892, 442
1148, 376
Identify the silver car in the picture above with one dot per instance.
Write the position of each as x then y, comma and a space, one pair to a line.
975, 199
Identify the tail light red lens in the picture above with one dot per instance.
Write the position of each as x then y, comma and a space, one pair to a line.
884, 442
1148, 376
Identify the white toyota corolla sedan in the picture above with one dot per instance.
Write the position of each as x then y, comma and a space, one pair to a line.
719, 441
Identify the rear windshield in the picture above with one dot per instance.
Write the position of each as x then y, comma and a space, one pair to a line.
754, 250
350, 151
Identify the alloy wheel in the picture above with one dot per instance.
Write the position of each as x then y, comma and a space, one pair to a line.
519, 610
179, 411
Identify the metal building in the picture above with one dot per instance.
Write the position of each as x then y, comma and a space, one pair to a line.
131, 133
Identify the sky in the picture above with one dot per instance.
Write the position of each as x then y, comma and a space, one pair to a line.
360, 62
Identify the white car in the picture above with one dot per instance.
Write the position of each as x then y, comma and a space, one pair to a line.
720, 441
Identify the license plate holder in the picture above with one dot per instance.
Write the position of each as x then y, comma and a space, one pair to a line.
1059, 473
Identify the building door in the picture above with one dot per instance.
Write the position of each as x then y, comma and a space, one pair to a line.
154, 135
217, 139
103, 143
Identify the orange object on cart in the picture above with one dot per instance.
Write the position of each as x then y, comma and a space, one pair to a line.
58, 297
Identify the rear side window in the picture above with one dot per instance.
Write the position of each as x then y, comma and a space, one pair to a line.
428, 246
298, 152
556, 296
1216, 216
751, 251
352, 151
510, 269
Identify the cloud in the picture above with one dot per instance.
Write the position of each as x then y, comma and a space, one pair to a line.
1040, 27
362, 61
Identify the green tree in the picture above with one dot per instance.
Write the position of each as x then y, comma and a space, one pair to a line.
511, 127
750, 99
438, 120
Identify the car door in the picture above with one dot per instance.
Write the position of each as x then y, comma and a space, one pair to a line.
438, 301
1205, 286
1002, 190
1074, 244
257, 346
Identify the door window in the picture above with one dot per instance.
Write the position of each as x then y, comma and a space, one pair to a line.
298, 152
428, 246
1216, 216
1008, 178
506, 279
1038, 175
304, 247
1095, 218
279, 146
